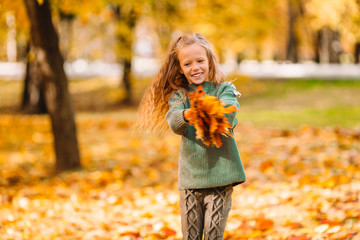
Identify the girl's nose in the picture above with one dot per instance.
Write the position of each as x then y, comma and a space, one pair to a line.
195, 66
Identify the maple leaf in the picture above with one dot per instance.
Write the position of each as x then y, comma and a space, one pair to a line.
207, 116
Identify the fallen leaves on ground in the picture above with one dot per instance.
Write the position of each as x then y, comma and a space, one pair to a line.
301, 184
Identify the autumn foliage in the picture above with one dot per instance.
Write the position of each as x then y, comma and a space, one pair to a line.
207, 115
302, 183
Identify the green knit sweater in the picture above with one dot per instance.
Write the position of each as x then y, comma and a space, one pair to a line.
201, 166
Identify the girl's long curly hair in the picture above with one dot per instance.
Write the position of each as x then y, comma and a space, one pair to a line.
154, 104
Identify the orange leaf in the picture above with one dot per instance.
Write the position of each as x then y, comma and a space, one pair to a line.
264, 224
294, 225
266, 165
230, 109
130, 233
168, 232
218, 141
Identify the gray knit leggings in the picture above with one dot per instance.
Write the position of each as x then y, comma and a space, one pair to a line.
205, 210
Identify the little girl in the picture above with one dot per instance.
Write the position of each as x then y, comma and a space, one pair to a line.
206, 174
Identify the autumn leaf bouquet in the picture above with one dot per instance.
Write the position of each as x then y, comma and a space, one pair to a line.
207, 115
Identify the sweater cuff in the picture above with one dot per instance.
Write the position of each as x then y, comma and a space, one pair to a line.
177, 122
179, 119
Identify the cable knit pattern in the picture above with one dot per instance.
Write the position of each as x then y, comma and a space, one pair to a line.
201, 166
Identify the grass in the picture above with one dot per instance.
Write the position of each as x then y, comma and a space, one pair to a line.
271, 103
292, 103
345, 116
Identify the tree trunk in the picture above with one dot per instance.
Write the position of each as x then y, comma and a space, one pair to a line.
127, 80
292, 44
316, 45
125, 41
329, 47
33, 97
52, 75
357, 52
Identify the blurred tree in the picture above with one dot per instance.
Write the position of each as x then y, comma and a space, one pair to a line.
66, 13
33, 97
66, 23
293, 42
357, 52
13, 27
168, 16
127, 15
50, 73
355, 23
246, 27
328, 48
11, 50
33, 100
334, 26
257, 29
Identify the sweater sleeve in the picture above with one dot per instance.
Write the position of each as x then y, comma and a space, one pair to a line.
228, 95
175, 115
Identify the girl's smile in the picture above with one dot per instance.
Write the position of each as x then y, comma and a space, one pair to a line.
194, 63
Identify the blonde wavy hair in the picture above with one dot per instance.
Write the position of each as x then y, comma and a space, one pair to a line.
154, 104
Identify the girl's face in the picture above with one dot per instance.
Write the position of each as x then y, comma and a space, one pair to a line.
194, 63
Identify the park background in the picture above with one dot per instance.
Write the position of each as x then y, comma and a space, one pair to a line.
72, 168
